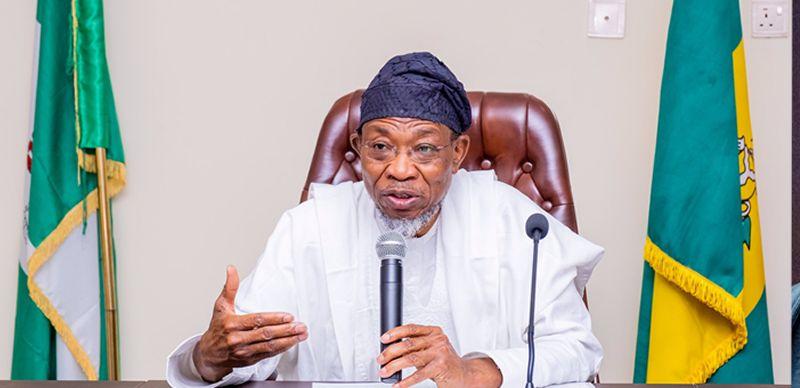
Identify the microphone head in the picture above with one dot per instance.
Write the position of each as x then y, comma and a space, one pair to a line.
537, 222
391, 245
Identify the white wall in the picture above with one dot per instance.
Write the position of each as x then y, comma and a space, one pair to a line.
214, 98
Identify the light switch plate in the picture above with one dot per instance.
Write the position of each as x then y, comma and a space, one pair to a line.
770, 18
606, 19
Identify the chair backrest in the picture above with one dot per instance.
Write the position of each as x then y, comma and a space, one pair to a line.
515, 134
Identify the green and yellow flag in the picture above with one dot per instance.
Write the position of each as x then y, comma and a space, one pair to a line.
703, 315
59, 330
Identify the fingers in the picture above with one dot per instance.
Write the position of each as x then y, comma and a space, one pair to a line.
426, 348
266, 333
401, 348
256, 320
231, 284
417, 359
407, 331
225, 301
269, 348
415, 378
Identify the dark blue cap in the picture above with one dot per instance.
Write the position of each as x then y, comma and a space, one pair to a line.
420, 86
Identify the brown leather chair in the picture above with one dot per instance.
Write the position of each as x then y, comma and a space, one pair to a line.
515, 134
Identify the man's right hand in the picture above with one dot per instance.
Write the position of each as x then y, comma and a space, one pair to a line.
233, 341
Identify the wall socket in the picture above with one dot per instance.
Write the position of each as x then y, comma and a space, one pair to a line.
606, 19
770, 18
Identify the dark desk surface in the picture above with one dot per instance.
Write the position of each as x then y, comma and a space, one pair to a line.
281, 384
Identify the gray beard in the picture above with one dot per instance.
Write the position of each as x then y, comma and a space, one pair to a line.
406, 227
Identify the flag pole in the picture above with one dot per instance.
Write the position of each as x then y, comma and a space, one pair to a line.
109, 284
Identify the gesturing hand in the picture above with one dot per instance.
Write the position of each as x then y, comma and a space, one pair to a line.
428, 349
233, 341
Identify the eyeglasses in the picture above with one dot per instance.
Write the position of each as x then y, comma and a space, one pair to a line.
383, 152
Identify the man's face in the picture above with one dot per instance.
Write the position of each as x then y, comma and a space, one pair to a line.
408, 164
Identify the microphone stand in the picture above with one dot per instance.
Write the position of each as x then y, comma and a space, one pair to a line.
531, 352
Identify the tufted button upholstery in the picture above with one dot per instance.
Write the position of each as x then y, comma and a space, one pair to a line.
515, 134
527, 167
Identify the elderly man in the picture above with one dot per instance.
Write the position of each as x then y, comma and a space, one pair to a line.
310, 310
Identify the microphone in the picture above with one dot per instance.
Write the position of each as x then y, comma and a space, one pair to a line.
536, 227
391, 249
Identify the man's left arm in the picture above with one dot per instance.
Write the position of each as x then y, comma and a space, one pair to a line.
565, 349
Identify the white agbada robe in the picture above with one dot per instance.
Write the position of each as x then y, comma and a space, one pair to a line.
320, 266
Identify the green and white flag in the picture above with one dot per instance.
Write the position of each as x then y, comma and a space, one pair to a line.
59, 329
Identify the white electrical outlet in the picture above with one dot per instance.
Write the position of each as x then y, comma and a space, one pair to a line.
770, 18
606, 19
